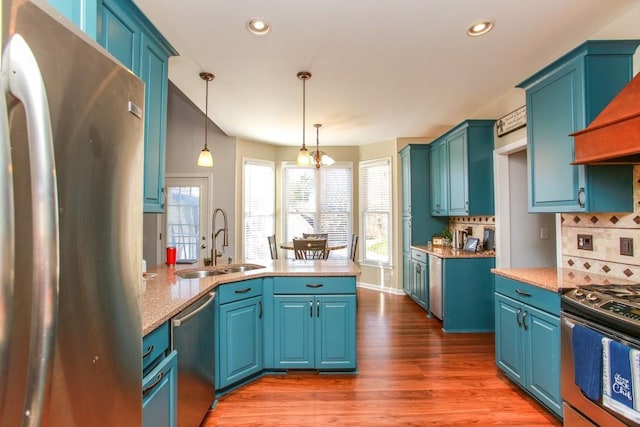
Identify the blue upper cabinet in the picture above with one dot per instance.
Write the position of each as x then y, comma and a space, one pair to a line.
561, 99
129, 36
462, 170
439, 177
81, 12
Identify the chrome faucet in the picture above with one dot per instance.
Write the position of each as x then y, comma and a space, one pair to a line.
225, 235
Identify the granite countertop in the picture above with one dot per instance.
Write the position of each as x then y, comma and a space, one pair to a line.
556, 279
448, 252
166, 294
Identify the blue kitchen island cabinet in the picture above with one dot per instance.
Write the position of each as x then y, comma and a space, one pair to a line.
462, 181
126, 33
563, 98
239, 332
159, 379
314, 323
527, 334
467, 294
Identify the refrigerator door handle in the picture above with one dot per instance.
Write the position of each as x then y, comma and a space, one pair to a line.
7, 249
22, 78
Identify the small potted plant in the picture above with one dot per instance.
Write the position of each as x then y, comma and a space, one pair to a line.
442, 238
207, 261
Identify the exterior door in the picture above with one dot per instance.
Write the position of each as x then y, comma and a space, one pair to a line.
186, 223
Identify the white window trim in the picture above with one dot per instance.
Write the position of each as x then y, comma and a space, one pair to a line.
271, 164
361, 251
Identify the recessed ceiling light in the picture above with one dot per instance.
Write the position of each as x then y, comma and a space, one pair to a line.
258, 26
479, 28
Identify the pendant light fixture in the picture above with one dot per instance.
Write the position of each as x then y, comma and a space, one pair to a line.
205, 158
320, 158
303, 155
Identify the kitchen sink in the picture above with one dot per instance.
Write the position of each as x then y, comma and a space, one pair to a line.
233, 268
199, 274
237, 268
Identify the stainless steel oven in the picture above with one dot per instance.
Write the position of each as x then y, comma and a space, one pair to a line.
614, 312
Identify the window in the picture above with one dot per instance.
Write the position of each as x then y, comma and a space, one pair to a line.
318, 201
375, 206
259, 207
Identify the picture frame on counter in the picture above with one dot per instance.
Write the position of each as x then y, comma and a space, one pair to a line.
513, 121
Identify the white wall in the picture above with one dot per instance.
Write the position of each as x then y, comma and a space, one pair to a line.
527, 248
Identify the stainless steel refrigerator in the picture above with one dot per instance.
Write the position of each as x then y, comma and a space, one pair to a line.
71, 159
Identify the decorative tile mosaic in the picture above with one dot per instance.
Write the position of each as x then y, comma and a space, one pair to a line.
477, 224
606, 229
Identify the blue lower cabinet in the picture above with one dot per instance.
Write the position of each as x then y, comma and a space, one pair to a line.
315, 332
159, 394
467, 294
528, 339
240, 341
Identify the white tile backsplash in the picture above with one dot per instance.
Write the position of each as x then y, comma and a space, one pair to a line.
606, 229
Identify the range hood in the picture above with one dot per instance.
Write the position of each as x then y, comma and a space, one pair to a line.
613, 137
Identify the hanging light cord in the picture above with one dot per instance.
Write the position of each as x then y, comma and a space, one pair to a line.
206, 113
304, 103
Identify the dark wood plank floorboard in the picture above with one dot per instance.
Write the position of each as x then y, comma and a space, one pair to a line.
410, 374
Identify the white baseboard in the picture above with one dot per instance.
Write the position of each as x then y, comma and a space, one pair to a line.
379, 288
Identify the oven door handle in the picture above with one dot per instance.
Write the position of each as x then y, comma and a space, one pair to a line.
518, 317
524, 323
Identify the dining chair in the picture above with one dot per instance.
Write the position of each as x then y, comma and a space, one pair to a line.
353, 252
315, 235
310, 248
273, 247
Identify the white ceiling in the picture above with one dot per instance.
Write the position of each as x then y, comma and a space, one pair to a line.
381, 69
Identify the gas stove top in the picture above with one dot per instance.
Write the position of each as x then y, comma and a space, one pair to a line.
613, 303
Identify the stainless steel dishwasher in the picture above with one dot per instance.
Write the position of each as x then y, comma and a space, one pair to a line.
193, 337
435, 286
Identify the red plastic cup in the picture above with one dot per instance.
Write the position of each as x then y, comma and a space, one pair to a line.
171, 255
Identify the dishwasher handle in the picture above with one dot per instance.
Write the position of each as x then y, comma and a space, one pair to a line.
179, 321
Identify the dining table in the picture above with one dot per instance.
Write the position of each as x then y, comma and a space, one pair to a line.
330, 246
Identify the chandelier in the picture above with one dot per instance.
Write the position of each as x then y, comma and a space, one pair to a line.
317, 158
320, 158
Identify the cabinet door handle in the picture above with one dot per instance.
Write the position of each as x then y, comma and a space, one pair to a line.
523, 293
310, 308
466, 206
148, 352
155, 383
314, 285
318, 308
524, 324
260, 305
581, 196
242, 291
518, 317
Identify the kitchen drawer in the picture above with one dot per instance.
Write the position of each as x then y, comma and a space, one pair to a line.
315, 285
154, 346
419, 255
239, 290
538, 297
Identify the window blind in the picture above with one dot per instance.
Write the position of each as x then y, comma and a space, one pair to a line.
375, 207
318, 201
259, 207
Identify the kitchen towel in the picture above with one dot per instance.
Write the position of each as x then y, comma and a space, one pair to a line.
587, 361
621, 379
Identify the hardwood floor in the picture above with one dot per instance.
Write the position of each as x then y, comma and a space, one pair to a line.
410, 373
